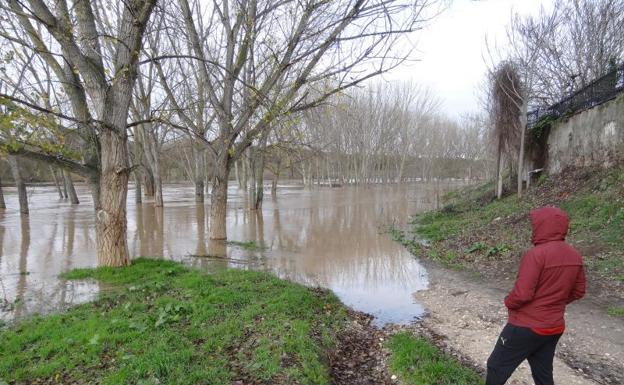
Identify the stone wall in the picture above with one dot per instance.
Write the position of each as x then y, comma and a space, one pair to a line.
588, 138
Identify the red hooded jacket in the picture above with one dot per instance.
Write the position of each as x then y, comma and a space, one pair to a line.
551, 274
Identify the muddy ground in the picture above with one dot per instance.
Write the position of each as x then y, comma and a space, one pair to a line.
466, 316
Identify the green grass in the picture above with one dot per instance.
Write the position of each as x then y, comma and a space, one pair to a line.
597, 214
167, 324
592, 200
417, 362
616, 311
455, 217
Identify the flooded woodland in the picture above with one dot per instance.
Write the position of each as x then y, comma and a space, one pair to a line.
329, 237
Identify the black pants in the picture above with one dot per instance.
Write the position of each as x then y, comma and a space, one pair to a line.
514, 345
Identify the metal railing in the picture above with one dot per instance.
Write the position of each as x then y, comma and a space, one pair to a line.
602, 89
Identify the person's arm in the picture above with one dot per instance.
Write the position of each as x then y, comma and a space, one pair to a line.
526, 282
579, 287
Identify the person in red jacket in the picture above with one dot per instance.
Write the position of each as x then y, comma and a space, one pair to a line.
551, 275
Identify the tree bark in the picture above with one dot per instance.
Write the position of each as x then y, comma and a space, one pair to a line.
2, 203
19, 182
111, 226
138, 194
259, 173
148, 181
274, 182
251, 168
200, 173
238, 175
200, 216
158, 194
499, 176
56, 182
71, 190
523, 123
218, 201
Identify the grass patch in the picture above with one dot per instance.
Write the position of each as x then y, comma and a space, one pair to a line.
249, 245
417, 362
168, 324
597, 214
455, 217
478, 228
616, 311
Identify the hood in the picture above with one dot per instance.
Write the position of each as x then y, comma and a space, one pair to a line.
549, 224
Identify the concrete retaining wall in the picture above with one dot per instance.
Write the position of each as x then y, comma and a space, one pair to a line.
591, 137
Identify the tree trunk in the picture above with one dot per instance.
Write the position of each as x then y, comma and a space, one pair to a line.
251, 166
112, 243
65, 193
2, 203
138, 194
148, 181
499, 175
245, 176
259, 183
218, 202
151, 155
274, 183
523, 123
71, 190
200, 216
158, 194
401, 168
19, 182
57, 182
238, 175
200, 174
260, 159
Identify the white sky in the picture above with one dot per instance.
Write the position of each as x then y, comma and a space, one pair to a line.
452, 47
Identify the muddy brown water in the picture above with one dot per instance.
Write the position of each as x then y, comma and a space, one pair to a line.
330, 237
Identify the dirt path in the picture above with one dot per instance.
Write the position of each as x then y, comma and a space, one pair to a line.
468, 316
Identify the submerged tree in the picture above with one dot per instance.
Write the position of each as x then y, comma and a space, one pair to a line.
22, 194
96, 89
256, 61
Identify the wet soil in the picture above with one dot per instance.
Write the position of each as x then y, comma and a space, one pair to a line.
514, 231
466, 315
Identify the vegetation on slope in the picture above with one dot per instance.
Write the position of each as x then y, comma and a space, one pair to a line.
475, 231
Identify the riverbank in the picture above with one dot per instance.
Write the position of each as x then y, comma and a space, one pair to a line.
476, 243
159, 322
473, 231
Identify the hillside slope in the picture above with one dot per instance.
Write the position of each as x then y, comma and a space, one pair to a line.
488, 236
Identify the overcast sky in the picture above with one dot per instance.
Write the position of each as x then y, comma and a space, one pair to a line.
452, 47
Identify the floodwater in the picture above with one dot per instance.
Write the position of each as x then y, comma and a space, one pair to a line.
329, 237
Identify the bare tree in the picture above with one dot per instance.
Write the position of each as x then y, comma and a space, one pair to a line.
259, 60
70, 41
566, 47
149, 135
506, 109
387, 133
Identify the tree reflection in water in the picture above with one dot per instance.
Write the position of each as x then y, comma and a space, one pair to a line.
330, 237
